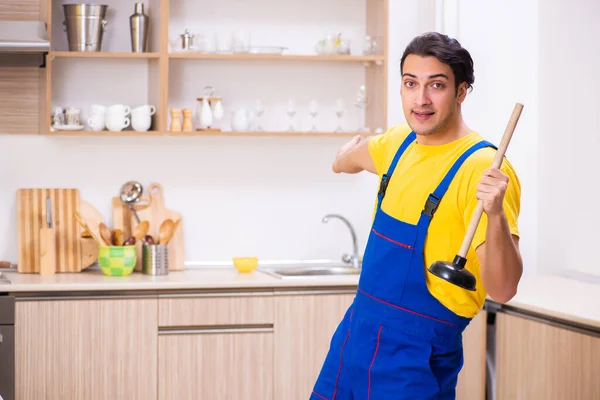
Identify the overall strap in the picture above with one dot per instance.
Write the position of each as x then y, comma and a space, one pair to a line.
433, 200
385, 179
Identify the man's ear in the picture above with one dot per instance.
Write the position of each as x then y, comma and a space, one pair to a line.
461, 93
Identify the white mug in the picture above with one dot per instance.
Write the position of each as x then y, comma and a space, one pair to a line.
141, 122
119, 108
149, 109
116, 117
116, 125
98, 109
96, 122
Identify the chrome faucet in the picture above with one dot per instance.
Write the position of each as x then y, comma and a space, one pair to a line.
352, 259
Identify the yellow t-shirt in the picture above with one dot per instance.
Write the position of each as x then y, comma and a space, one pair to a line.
418, 173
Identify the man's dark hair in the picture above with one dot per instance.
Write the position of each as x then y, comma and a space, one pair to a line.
448, 51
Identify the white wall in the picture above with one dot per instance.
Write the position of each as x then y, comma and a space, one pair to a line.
502, 38
266, 196
569, 136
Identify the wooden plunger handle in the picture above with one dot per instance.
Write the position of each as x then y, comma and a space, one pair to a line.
510, 128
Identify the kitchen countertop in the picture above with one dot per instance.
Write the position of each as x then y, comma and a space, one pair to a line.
555, 296
191, 278
560, 297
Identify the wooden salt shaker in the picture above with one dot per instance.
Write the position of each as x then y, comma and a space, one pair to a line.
187, 120
175, 120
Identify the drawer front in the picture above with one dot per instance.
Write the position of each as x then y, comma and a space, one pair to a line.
215, 310
235, 366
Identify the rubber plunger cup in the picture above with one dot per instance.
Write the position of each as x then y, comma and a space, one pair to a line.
455, 272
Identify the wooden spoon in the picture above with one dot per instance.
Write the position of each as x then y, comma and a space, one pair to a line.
165, 232
87, 228
176, 225
105, 233
141, 230
117, 236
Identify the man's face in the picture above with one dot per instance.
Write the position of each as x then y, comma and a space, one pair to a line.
429, 99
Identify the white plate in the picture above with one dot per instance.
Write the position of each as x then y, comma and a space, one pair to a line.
68, 127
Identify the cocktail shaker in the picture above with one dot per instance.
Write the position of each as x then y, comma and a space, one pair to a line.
138, 23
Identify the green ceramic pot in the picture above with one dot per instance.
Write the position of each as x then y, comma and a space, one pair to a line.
117, 260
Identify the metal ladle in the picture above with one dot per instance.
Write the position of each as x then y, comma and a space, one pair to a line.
455, 272
131, 192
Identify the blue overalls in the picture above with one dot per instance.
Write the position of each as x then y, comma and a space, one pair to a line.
396, 341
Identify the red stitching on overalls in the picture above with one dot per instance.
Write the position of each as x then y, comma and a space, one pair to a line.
391, 240
340, 369
319, 396
405, 309
373, 362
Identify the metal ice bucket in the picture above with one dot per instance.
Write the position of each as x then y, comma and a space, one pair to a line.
85, 25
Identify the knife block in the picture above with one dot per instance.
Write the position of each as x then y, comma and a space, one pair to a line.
58, 249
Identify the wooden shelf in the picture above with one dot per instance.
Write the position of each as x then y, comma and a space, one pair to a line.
104, 133
161, 82
100, 54
211, 133
282, 57
290, 134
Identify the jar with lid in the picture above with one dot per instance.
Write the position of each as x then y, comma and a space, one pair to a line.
58, 116
187, 40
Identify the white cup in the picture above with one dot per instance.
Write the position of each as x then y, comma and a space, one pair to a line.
98, 109
141, 117
96, 122
114, 124
150, 109
116, 117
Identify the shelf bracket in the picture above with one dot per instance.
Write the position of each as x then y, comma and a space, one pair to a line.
44, 55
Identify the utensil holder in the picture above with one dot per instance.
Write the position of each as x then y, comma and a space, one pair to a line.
155, 259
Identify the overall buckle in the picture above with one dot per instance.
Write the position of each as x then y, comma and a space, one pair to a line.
431, 205
385, 180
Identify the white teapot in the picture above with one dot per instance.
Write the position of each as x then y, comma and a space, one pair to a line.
241, 120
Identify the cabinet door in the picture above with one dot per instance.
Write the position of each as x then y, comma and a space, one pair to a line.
227, 364
86, 349
536, 360
304, 325
471, 379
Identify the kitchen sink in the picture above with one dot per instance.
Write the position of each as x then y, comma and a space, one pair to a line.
309, 270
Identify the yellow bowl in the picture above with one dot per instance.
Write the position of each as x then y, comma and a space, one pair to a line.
245, 264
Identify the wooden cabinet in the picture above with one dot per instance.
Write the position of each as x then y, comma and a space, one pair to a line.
216, 346
304, 324
537, 360
86, 349
227, 364
471, 379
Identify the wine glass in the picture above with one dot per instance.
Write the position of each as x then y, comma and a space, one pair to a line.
339, 111
361, 104
291, 112
260, 109
313, 110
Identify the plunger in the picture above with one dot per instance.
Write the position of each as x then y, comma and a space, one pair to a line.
455, 272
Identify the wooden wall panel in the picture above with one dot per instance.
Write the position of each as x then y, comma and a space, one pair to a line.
20, 100
20, 10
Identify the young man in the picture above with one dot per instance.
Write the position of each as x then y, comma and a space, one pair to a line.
402, 336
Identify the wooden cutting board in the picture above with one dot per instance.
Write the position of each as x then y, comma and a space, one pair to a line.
155, 213
31, 217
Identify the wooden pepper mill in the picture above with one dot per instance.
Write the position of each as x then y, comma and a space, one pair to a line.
175, 120
187, 120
